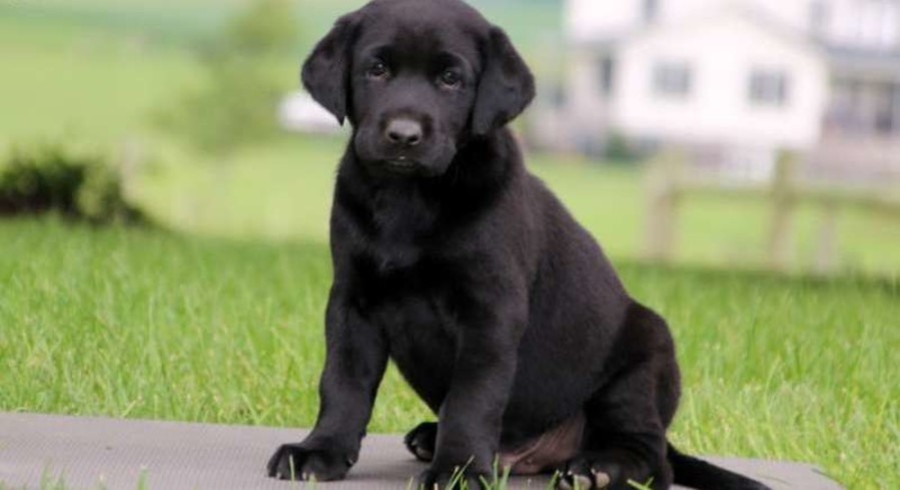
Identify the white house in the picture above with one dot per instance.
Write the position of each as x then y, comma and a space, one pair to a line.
753, 76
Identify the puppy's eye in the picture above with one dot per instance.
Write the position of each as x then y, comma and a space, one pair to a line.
378, 70
450, 79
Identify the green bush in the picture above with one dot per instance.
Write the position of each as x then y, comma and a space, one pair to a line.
50, 178
237, 102
619, 149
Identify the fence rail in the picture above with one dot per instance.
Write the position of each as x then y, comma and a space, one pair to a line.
670, 181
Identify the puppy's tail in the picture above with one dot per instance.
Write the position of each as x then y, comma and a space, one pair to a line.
695, 473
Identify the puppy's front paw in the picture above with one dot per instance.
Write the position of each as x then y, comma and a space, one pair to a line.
457, 479
586, 472
296, 462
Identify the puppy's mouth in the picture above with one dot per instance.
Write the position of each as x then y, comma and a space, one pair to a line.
402, 165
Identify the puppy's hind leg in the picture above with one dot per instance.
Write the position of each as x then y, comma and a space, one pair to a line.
421, 441
625, 436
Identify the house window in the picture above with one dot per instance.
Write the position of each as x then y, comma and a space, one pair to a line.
607, 75
672, 79
768, 88
651, 10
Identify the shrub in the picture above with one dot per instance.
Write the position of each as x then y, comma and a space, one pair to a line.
619, 149
237, 102
50, 178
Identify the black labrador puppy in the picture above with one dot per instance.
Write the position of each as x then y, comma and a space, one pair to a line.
451, 259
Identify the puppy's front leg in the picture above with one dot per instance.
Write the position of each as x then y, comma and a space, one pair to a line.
355, 360
469, 421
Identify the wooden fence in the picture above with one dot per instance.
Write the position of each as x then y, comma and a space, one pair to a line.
671, 181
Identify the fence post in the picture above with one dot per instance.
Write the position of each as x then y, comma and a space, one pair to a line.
662, 192
784, 196
826, 254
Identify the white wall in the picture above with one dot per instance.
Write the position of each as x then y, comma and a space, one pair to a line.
599, 19
605, 19
865, 23
680, 10
589, 110
792, 13
722, 52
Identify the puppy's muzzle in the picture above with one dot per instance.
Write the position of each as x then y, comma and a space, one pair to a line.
404, 140
403, 133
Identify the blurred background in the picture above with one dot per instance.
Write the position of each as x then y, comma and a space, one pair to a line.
165, 188
751, 134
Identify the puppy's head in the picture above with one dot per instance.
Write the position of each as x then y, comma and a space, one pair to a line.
417, 78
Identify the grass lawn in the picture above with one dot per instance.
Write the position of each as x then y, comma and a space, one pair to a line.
224, 323
150, 324
283, 191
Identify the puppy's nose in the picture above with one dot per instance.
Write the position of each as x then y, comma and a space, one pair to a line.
404, 132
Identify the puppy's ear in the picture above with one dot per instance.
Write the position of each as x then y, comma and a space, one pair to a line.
326, 73
506, 86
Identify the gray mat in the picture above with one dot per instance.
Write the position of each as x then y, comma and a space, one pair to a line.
88, 452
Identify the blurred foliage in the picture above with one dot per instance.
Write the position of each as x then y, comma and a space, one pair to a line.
51, 178
619, 149
268, 27
236, 104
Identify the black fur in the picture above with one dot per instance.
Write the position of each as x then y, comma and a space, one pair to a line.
450, 258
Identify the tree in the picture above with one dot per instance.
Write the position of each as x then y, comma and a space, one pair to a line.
237, 102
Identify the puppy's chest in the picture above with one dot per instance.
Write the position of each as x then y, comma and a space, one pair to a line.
402, 223
407, 275
422, 343
394, 259
412, 301
414, 319
401, 277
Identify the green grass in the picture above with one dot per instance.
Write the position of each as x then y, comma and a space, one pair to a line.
83, 85
226, 325
283, 191
149, 324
